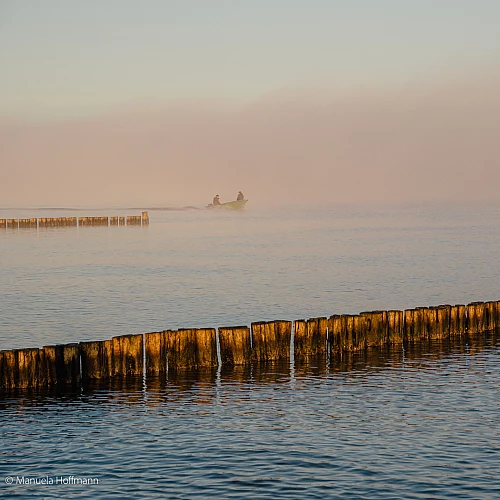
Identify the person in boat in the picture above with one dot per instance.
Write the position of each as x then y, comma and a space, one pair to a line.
216, 200
240, 196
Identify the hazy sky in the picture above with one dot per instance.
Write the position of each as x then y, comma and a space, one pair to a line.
61, 58
158, 102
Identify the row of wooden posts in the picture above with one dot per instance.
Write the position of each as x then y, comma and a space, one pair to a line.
43, 222
152, 354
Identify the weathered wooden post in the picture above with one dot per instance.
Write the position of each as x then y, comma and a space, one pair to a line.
31, 368
429, 319
490, 315
497, 313
145, 219
335, 332
97, 359
271, 340
133, 220
235, 345
8, 370
414, 326
128, 353
375, 327
156, 353
475, 317
395, 326
63, 364
191, 348
310, 336
443, 321
458, 320
355, 337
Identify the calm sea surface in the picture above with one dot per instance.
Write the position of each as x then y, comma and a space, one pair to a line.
399, 424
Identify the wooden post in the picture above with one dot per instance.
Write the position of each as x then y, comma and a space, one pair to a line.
3, 223
51, 364
235, 346
156, 353
145, 219
443, 322
356, 332
497, 313
310, 336
113, 221
414, 328
31, 368
271, 340
97, 359
475, 317
335, 332
490, 315
375, 327
133, 220
458, 320
12, 223
206, 343
128, 352
8, 370
395, 326
63, 364
429, 322
191, 348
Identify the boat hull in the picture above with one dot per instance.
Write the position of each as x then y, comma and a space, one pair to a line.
230, 205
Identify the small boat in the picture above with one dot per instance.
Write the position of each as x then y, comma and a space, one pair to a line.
230, 205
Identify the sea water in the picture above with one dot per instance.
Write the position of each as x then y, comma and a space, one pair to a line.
392, 425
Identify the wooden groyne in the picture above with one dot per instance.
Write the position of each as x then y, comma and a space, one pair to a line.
53, 222
153, 354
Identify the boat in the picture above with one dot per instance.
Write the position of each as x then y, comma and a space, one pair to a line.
230, 205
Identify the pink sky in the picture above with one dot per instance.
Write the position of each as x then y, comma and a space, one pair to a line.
429, 143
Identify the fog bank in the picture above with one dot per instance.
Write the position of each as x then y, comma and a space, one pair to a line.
433, 143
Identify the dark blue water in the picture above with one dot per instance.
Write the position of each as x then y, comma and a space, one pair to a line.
414, 423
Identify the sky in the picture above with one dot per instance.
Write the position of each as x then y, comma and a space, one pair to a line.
281, 98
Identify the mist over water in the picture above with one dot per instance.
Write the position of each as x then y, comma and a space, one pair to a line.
205, 268
419, 143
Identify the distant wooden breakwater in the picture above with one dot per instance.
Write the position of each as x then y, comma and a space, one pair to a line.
152, 354
47, 222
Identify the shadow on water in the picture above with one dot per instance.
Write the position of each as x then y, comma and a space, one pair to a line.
202, 385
